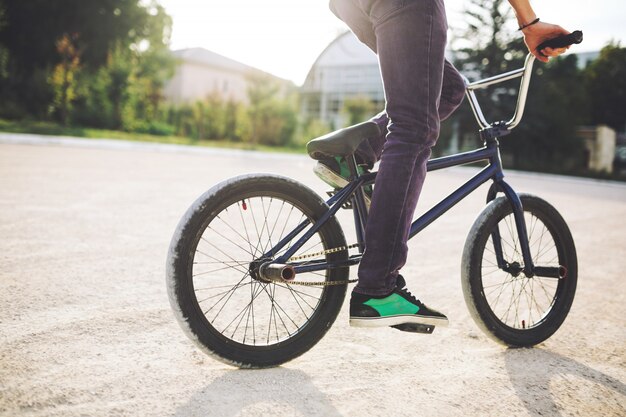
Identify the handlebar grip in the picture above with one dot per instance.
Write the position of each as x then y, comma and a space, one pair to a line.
562, 41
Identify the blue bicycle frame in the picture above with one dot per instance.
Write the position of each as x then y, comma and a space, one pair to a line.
353, 193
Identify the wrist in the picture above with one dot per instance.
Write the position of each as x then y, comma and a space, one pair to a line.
523, 11
523, 26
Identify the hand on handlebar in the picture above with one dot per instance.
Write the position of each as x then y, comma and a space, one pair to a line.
535, 34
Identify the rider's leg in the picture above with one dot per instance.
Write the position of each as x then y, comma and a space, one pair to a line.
452, 94
411, 40
356, 14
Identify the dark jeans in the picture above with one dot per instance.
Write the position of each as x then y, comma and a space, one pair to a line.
421, 88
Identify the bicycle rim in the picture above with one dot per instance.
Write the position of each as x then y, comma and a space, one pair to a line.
517, 301
237, 306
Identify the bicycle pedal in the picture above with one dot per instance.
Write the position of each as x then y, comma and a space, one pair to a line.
415, 328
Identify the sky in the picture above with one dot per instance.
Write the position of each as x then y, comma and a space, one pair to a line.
284, 37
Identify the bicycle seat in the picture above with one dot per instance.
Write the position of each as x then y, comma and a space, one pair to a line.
342, 142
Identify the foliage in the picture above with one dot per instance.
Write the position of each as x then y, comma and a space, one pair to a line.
272, 121
235, 126
107, 59
267, 119
484, 46
104, 64
53, 128
4, 53
358, 109
34, 25
63, 79
605, 78
546, 140
310, 129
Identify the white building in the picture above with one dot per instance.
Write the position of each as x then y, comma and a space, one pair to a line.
201, 73
600, 144
345, 69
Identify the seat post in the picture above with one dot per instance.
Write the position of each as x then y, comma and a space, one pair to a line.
351, 160
358, 203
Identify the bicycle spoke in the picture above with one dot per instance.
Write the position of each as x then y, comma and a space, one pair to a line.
229, 241
235, 288
245, 310
239, 263
256, 227
220, 250
268, 244
243, 222
286, 314
216, 270
231, 292
518, 301
242, 313
300, 292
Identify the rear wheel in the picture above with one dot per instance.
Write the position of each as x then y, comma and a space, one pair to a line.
511, 308
220, 301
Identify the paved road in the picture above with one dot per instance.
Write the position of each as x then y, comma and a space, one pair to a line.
86, 328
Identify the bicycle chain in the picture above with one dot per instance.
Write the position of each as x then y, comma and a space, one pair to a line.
319, 283
312, 255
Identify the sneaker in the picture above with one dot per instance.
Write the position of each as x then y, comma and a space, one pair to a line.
399, 307
335, 172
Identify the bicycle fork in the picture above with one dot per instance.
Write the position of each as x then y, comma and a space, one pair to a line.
529, 268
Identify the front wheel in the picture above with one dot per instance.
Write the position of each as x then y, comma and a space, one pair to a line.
217, 297
506, 304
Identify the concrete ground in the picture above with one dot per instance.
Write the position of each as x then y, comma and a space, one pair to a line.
86, 328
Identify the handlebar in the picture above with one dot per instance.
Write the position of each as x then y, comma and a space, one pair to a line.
562, 41
523, 73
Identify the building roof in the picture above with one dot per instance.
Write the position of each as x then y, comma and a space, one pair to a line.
346, 50
208, 58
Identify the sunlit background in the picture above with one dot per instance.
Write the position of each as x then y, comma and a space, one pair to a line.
277, 73
284, 37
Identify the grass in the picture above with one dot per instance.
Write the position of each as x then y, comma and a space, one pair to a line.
54, 129
49, 128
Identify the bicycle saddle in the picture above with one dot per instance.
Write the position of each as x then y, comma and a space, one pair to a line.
342, 142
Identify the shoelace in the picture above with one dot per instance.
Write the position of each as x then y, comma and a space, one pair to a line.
406, 292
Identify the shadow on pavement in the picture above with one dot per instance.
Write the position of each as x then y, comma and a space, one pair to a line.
532, 372
272, 391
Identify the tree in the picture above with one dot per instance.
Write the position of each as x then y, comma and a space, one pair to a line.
234, 121
102, 28
155, 64
272, 121
4, 53
209, 117
63, 78
358, 109
34, 25
546, 139
486, 46
606, 85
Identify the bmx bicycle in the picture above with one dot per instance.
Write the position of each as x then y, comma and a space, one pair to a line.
258, 267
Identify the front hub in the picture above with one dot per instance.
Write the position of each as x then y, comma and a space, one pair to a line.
514, 269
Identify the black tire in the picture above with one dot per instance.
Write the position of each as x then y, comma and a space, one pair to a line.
237, 319
509, 307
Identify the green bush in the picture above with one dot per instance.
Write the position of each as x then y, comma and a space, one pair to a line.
154, 128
